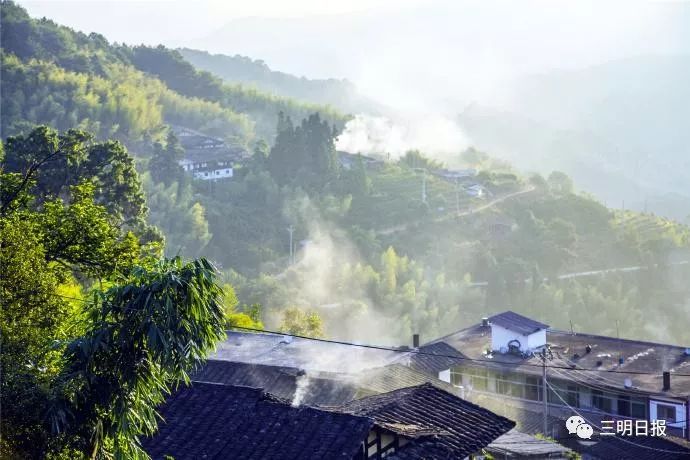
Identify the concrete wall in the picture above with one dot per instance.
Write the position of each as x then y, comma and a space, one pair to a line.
214, 174
536, 340
500, 337
681, 411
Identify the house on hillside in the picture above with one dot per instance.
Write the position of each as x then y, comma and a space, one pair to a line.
602, 378
223, 421
348, 160
475, 190
454, 175
206, 157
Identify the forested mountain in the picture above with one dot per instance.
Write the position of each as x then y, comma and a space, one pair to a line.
122, 91
618, 128
338, 244
255, 73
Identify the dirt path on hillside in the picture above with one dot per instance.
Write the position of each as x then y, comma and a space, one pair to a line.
483, 207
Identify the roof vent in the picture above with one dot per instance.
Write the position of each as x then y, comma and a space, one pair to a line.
628, 383
588, 349
687, 352
485, 323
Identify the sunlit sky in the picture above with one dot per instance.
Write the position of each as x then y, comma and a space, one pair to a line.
396, 49
155, 21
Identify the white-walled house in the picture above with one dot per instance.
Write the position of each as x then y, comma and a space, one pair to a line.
512, 332
206, 157
500, 361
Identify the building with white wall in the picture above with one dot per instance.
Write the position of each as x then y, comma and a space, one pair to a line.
511, 332
507, 358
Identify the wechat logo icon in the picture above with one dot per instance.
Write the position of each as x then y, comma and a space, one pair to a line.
577, 425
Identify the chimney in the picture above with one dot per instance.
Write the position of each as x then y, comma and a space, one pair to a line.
415, 340
485, 322
667, 381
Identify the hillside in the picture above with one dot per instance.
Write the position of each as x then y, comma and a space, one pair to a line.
255, 73
89, 71
402, 242
616, 128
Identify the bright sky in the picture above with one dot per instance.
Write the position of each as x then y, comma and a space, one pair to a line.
176, 21
401, 51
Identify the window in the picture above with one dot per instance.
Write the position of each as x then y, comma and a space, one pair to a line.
455, 378
664, 412
564, 393
510, 384
478, 378
638, 408
601, 401
624, 405
533, 389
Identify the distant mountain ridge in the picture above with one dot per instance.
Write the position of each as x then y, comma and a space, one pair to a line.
339, 93
55, 75
618, 128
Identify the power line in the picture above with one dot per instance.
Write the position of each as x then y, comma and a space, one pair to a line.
440, 355
398, 350
413, 351
600, 429
682, 422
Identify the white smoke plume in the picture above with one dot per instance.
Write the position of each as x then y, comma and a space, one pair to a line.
301, 390
433, 134
319, 281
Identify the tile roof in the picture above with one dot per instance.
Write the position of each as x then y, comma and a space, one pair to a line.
310, 355
517, 323
527, 420
517, 444
636, 447
225, 153
279, 380
220, 422
434, 358
396, 376
460, 427
645, 361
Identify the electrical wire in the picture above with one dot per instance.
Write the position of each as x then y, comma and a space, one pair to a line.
398, 350
412, 351
558, 372
440, 355
600, 429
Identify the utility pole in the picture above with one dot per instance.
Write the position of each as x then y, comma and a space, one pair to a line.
457, 196
291, 229
545, 408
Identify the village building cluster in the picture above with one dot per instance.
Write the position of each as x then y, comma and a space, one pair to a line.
211, 159
503, 388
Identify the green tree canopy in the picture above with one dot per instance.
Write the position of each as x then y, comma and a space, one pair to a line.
82, 378
53, 163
